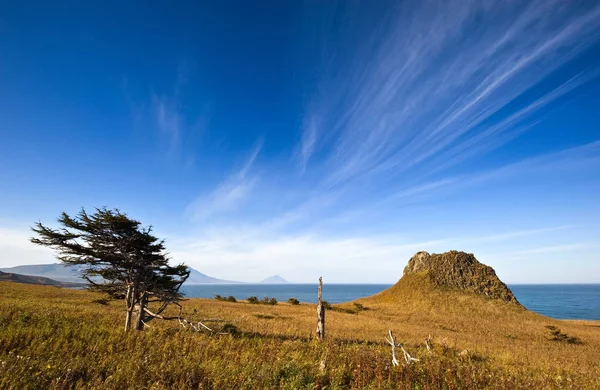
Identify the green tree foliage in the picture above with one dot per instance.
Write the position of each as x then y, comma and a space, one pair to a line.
117, 256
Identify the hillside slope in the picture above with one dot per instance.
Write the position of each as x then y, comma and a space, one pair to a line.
30, 279
452, 283
56, 271
64, 273
429, 275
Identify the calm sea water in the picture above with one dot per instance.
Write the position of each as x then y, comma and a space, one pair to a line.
576, 301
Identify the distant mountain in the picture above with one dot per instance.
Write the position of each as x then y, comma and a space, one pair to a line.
275, 279
197, 277
65, 273
29, 279
58, 272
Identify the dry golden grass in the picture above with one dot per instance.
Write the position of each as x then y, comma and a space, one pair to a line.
58, 338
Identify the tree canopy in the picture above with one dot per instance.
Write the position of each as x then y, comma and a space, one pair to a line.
118, 256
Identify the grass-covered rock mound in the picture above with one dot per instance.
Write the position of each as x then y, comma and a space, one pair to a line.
461, 271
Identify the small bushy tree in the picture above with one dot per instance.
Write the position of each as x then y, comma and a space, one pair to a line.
119, 257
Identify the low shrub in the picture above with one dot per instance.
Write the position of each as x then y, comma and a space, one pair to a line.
269, 301
557, 335
230, 298
265, 301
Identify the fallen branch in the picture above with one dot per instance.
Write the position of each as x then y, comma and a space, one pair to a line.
407, 356
183, 321
392, 342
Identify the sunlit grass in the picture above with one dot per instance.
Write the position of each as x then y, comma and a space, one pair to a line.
58, 338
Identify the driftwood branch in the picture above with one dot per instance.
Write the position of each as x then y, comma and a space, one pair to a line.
428, 343
392, 341
407, 356
185, 322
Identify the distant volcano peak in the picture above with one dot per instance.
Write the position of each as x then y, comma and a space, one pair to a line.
275, 279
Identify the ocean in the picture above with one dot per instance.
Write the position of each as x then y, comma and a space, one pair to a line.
562, 301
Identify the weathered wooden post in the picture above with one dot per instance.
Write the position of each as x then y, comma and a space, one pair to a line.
320, 313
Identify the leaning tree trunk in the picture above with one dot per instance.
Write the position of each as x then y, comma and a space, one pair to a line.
129, 304
320, 313
139, 320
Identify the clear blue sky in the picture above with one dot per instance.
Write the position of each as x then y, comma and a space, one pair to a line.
310, 138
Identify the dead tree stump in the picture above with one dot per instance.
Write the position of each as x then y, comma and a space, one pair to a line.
320, 313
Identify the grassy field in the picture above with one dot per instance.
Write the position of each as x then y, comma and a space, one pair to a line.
53, 338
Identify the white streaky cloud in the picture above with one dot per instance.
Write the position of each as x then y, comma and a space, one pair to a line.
307, 143
169, 120
499, 237
301, 257
567, 159
250, 161
487, 140
16, 249
168, 116
385, 142
545, 253
435, 84
551, 249
236, 255
229, 194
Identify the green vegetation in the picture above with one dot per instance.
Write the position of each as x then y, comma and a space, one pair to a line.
119, 257
293, 301
264, 301
230, 298
54, 338
557, 335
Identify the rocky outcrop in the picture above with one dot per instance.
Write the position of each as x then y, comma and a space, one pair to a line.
462, 271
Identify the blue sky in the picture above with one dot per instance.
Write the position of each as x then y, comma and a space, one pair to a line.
310, 138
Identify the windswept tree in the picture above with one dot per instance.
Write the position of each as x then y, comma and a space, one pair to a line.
117, 256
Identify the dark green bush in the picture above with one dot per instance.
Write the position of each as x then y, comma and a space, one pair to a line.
293, 301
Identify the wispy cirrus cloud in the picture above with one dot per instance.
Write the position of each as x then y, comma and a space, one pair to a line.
449, 80
307, 145
230, 193
168, 119
397, 127
168, 115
